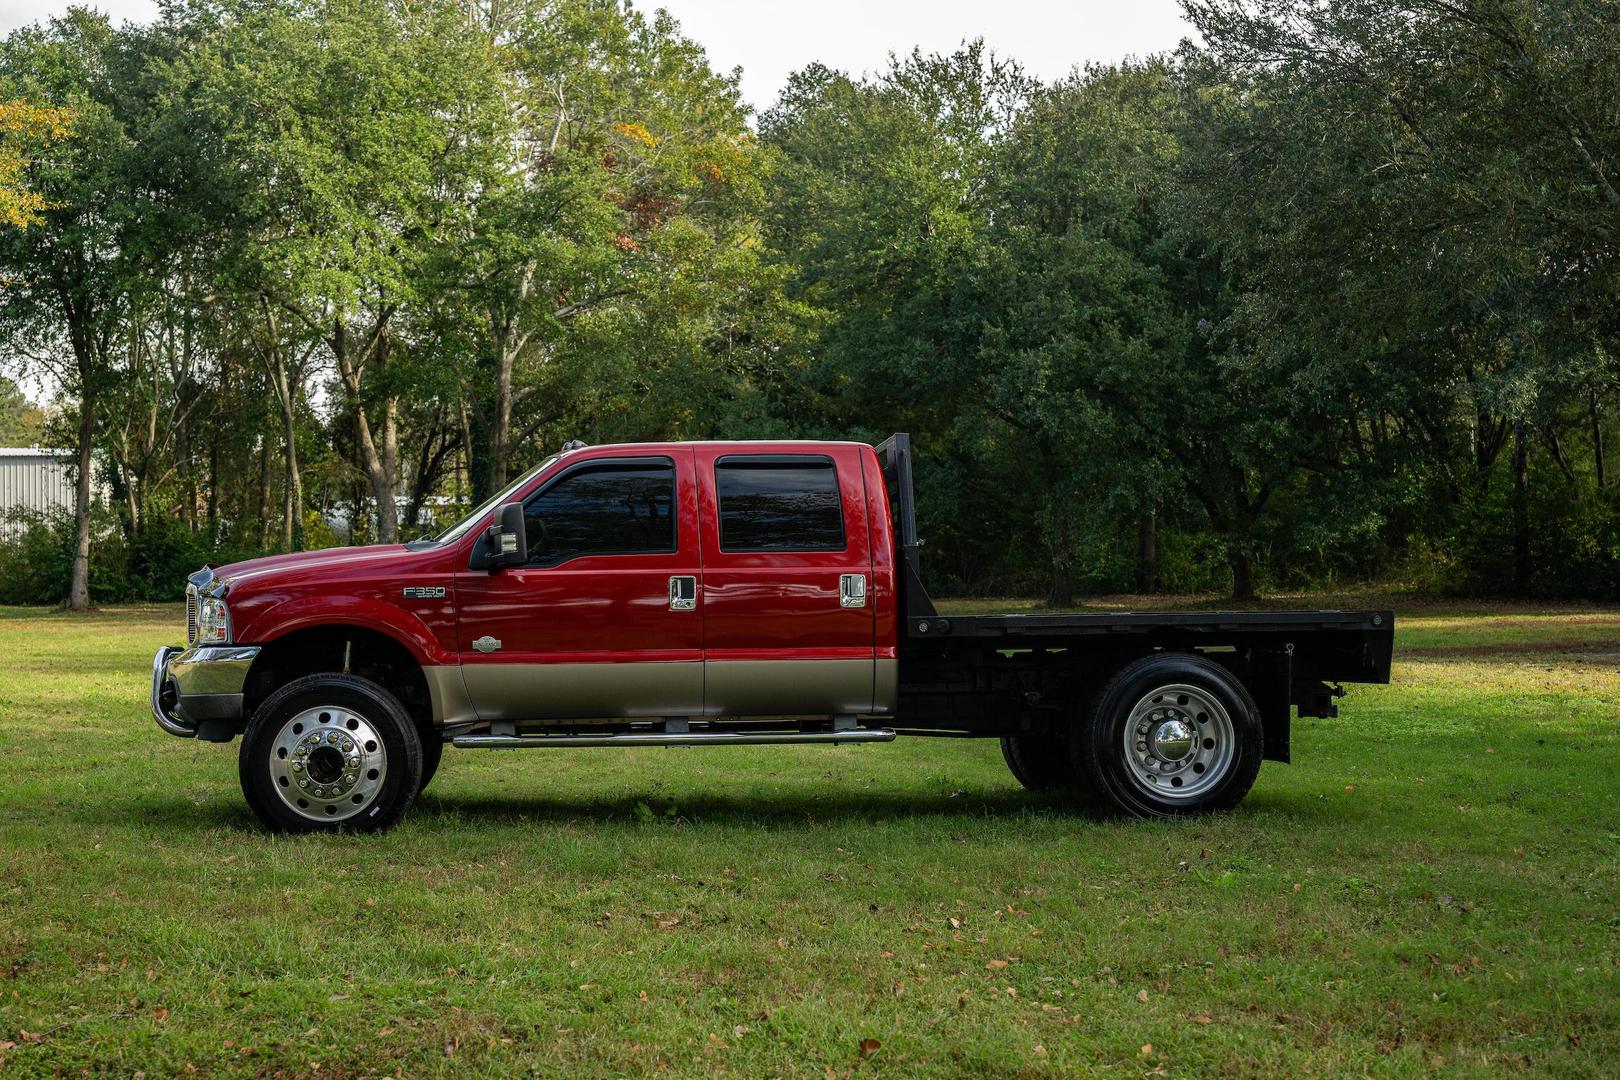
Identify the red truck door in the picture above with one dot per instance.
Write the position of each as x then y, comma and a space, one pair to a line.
603, 622
787, 576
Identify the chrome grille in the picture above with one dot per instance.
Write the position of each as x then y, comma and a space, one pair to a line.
191, 614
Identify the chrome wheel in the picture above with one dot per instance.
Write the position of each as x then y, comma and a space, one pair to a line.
1179, 742
328, 763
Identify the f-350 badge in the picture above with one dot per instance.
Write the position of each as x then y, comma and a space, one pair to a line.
424, 592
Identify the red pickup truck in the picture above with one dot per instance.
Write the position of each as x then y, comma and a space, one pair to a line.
717, 593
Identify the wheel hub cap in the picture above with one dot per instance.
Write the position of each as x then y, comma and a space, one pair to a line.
1178, 742
328, 763
1171, 740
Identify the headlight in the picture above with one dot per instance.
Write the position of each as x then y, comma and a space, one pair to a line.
213, 621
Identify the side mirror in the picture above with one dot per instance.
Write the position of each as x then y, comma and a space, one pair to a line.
504, 542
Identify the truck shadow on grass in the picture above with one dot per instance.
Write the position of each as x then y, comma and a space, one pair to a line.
653, 809
783, 811
788, 811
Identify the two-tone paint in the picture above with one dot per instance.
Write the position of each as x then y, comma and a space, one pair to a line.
597, 638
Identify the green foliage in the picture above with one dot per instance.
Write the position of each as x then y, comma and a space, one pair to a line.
22, 423
150, 565
1327, 297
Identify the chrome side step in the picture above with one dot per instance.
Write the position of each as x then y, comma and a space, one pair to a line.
663, 738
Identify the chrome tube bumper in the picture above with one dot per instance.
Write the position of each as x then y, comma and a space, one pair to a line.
191, 686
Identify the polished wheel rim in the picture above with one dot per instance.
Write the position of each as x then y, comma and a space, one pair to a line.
328, 763
1179, 742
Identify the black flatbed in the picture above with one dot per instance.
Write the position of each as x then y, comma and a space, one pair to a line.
998, 673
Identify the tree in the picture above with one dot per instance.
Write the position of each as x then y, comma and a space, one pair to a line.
1420, 196
633, 193
362, 131
67, 276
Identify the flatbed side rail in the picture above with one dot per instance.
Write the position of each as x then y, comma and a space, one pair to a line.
1334, 646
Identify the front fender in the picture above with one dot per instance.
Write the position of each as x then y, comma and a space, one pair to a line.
328, 610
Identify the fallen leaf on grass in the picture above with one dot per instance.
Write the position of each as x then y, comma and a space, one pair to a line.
1147, 1049
869, 1046
1203, 1018
995, 965
956, 924
1142, 996
161, 1014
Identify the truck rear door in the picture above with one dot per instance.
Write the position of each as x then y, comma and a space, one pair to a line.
787, 574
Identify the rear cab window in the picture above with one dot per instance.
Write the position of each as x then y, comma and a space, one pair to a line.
779, 502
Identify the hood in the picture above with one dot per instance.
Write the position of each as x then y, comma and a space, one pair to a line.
249, 570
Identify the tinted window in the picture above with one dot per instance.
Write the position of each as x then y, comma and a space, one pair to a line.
779, 503
626, 509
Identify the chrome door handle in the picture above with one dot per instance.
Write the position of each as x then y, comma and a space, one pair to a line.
852, 590
682, 592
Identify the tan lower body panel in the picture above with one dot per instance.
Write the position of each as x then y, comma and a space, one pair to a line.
448, 692
802, 688
886, 687
788, 687
584, 691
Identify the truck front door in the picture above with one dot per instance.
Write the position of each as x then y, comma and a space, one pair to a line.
787, 571
602, 623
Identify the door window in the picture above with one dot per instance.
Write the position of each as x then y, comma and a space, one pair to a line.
613, 508
779, 502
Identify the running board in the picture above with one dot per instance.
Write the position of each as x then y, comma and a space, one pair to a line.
661, 738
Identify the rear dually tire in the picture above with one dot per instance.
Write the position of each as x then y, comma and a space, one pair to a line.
1171, 735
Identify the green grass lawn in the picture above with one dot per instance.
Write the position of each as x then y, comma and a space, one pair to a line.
1434, 886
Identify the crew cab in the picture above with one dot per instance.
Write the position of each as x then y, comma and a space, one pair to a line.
715, 594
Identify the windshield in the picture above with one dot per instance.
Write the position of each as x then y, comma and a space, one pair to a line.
462, 527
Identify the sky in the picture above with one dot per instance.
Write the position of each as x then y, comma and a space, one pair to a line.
769, 39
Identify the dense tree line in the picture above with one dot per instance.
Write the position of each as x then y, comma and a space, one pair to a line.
1329, 296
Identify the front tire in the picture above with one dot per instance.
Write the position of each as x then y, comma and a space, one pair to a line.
330, 753
1170, 735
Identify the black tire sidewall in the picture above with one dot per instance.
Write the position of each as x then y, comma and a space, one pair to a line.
1039, 762
1100, 752
380, 708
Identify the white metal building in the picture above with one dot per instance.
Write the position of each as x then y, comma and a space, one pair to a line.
35, 479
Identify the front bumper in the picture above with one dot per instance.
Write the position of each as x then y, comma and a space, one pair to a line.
191, 687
